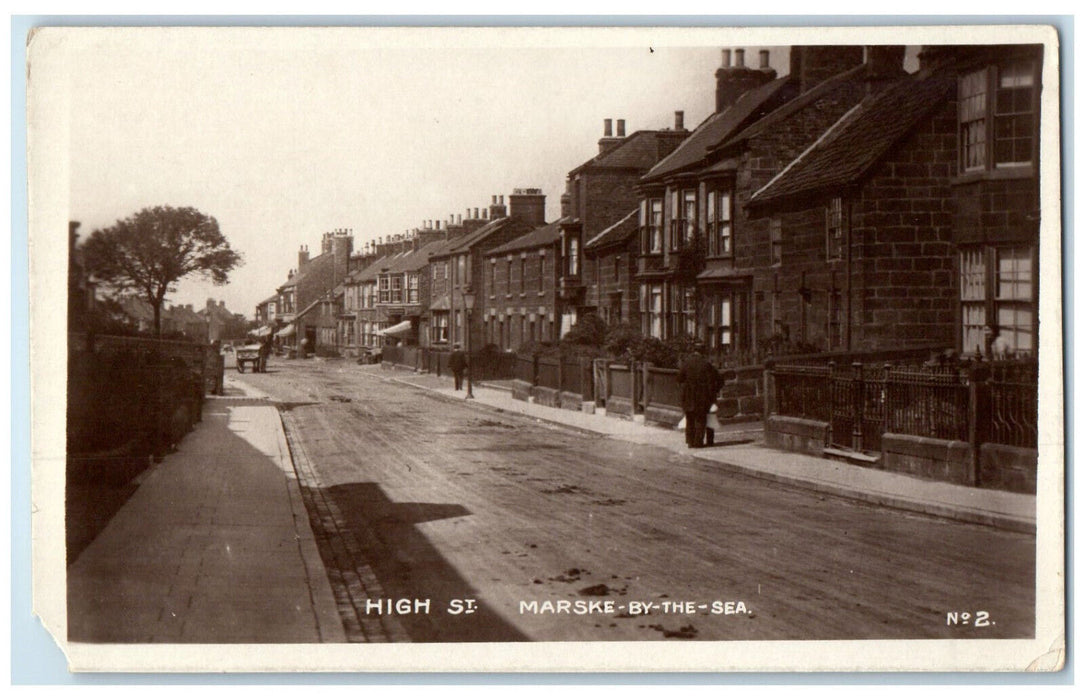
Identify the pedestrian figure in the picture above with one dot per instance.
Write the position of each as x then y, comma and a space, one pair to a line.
217, 367
700, 384
457, 363
265, 352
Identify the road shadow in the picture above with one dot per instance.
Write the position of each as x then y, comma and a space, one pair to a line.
408, 566
202, 549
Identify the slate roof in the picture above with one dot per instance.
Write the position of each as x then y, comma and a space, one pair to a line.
618, 232
717, 127
854, 145
542, 236
463, 243
638, 150
372, 270
792, 106
411, 261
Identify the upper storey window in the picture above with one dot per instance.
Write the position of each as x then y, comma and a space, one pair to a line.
998, 113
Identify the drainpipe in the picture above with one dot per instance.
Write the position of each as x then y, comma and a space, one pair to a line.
847, 278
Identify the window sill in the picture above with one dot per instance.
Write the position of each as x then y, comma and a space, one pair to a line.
1021, 172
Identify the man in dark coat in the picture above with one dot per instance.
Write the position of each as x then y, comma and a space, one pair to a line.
700, 384
457, 363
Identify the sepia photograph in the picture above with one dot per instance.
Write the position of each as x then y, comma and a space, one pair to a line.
547, 349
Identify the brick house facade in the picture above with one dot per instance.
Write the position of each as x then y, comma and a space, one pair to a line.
519, 289
457, 269
894, 234
599, 193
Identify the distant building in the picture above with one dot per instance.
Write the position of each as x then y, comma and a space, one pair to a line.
312, 281
457, 269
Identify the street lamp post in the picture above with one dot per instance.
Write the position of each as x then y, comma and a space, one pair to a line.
469, 303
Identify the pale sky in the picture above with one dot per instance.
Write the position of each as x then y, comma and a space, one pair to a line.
282, 139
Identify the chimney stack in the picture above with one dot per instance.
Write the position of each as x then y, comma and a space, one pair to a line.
609, 140
679, 120
732, 82
497, 207
813, 65
621, 128
528, 205
883, 63
303, 257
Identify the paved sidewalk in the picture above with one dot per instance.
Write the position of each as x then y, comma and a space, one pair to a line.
213, 547
742, 451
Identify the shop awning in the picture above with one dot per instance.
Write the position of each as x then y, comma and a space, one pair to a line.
263, 331
285, 331
399, 330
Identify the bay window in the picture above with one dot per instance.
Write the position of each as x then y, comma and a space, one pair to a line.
719, 213
651, 224
997, 299
651, 307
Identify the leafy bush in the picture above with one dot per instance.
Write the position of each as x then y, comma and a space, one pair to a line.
536, 348
622, 340
588, 330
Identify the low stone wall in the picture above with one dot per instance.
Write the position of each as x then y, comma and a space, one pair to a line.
546, 396
571, 401
1009, 468
621, 406
664, 415
521, 390
742, 397
796, 434
945, 460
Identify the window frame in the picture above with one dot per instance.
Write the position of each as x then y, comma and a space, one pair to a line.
981, 121
719, 220
776, 241
834, 222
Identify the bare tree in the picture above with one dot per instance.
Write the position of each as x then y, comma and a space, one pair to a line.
150, 251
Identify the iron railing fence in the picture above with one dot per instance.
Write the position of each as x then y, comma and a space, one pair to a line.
973, 402
1012, 404
803, 392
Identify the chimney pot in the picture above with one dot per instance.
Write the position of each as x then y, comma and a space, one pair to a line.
679, 120
494, 200
764, 59
621, 128
726, 58
501, 199
606, 128
740, 58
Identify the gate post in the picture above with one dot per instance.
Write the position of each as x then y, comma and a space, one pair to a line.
768, 382
977, 395
561, 374
833, 409
857, 407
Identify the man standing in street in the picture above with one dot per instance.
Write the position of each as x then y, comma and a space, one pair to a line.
457, 363
700, 384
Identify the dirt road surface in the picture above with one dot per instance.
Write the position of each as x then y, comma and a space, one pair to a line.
559, 535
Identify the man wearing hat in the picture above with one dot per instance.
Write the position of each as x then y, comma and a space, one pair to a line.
457, 363
700, 384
